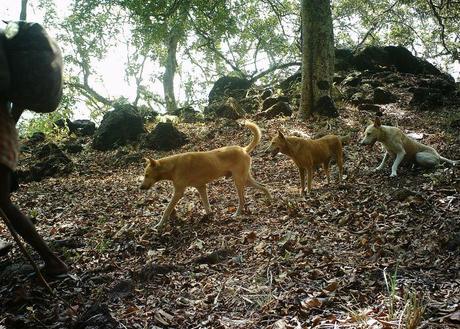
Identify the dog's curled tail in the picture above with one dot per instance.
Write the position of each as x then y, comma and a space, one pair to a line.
257, 135
345, 140
452, 162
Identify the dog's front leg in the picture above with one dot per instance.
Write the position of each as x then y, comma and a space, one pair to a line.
302, 180
382, 164
176, 197
204, 198
399, 157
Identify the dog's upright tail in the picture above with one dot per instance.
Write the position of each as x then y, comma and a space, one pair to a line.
452, 162
257, 135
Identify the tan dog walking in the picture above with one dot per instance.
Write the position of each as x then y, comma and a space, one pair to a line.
308, 154
196, 169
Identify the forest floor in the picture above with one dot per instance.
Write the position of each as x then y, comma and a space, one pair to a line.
372, 252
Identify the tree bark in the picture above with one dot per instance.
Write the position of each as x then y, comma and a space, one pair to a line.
170, 72
23, 14
317, 54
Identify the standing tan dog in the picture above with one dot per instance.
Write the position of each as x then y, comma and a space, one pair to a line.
196, 169
308, 154
401, 146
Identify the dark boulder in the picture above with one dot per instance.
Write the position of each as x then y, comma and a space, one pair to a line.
426, 99
165, 137
187, 114
325, 106
444, 84
370, 108
279, 109
36, 138
82, 127
383, 96
249, 104
73, 147
226, 87
269, 102
118, 127
361, 97
393, 57
48, 161
338, 78
266, 93
352, 80
343, 59
147, 113
290, 82
62, 123
230, 109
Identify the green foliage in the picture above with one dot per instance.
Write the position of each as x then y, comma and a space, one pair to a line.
237, 37
44, 123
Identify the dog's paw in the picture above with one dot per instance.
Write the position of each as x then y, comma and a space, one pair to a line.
393, 174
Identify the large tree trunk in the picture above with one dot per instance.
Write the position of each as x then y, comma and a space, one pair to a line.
170, 72
23, 14
317, 57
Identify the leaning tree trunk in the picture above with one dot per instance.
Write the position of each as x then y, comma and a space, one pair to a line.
317, 58
170, 72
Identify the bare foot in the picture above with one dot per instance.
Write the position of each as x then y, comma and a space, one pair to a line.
55, 267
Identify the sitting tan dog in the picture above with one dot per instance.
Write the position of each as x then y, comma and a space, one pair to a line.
308, 154
401, 146
196, 169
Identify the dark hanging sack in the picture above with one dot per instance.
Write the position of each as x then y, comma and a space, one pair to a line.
30, 67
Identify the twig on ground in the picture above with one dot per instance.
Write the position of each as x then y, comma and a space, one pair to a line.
25, 252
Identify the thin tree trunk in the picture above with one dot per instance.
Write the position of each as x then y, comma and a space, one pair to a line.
170, 72
317, 54
23, 15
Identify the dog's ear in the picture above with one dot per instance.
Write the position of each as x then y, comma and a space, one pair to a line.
280, 135
150, 161
377, 122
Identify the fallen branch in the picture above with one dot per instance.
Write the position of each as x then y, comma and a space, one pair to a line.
24, 252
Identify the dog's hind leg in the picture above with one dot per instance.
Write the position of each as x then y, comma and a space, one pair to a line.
452, 162
340, 166
204, 198
253, 183
309, 178
427, 159
239, 184
178, 192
